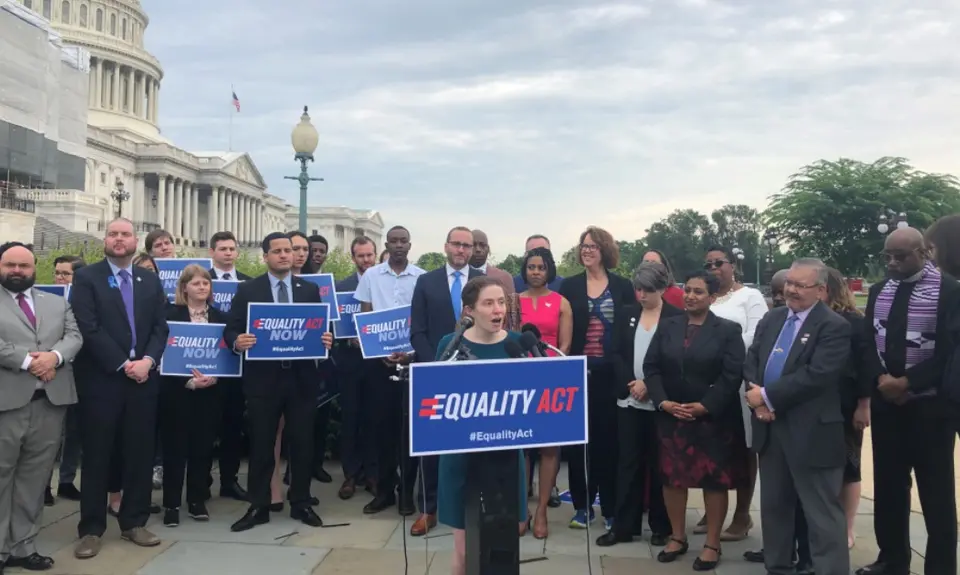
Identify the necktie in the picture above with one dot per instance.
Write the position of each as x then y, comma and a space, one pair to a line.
778, 357
282, 295
455, 291
226, 276
126, 291
25, 307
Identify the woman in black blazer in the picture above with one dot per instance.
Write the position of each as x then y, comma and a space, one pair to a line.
693, 373
596, 297
638, 470
189, 409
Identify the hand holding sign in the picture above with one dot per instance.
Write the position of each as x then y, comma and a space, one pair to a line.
288, 331
245, 341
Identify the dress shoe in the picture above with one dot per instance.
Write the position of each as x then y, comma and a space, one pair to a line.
347, 490
659, 539
371, 487
141, 537
707, 564
198, 512
379, 503
666, 556
155, 509
406, 506
253, 517
423, 525
321, 475
737, 532
88, 547
882, 568
171, 518
48, 499
276, 507
306, 515
804, 569
610, 538
233, 490
68, 491
754, 556
34, 562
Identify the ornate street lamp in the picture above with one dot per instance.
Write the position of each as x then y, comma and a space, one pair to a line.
304, 139
770, 238
895, 221
738, 253
119, 195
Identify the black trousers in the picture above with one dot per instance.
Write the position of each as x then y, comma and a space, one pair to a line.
601, 451
321, 424
189, 421
232, 424
358, 454
298, 408
118, 423
802, 537
638, 476
918, 437
389, 406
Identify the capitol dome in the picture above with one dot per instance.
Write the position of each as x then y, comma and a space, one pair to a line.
124, 76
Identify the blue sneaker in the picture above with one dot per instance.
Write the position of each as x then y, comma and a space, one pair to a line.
580, 521
608, 523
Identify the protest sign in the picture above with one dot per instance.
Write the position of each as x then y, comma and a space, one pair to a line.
198, 346
383, 332
287, 331
170, 269
345, 328
60, 290
223, 292
328, 292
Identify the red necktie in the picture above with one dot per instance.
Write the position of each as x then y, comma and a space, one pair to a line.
25, 307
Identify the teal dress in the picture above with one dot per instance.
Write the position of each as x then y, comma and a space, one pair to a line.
453, 468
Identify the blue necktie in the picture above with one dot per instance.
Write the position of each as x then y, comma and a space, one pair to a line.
455, 290
778, 357
126, 291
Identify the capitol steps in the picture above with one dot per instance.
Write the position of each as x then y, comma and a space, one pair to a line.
48, 236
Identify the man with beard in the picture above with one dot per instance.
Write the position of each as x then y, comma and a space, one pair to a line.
481, 251
121, 313
38, 339
357, 450
385, 286
434, 313
908, 344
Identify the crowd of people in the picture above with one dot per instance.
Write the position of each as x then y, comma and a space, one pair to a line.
700, 384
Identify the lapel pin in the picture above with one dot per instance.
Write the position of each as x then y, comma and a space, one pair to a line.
803, 340
139, 279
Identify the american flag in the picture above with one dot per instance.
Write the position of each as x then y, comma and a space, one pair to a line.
236, 101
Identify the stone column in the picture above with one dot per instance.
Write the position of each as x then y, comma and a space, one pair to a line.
258, 221
245, 218
147, 97
194, 213
156, 101
185, 211
177, 219
92, 90
234, 220
227, 210
130, 90
98, 97
168, 221
115, 104
161, 199
216, 192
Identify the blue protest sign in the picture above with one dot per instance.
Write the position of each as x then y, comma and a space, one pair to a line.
223, 292
328, 293
383, 332
198, 346
169, 270
468, 406
344, 328
287, 331
60, 290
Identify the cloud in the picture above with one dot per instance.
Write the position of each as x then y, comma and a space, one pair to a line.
546, 116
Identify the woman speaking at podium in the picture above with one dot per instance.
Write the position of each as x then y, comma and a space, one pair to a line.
484, 300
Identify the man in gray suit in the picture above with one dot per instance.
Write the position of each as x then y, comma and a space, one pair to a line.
38, 339
798, 355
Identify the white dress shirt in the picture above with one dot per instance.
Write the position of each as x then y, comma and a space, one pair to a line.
220, 273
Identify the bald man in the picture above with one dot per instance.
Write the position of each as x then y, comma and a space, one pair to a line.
481, 251
907, 347
40, 338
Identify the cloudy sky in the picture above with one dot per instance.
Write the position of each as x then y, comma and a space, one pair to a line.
538, 116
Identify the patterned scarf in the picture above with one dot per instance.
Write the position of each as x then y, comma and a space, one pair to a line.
921, 316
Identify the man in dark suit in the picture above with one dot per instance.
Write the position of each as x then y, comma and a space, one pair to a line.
794, 366
434, 312
275, 388
908, 344
121, 313
357, 449
223, 252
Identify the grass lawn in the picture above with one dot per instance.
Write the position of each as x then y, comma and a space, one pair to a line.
861, 300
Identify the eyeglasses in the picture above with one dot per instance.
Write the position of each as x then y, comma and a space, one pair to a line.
714, 264
62, 274
461, 245
799, 285
589, 247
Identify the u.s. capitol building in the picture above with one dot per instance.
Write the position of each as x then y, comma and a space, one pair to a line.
190, 194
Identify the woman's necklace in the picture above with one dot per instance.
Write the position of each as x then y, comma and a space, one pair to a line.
723, 298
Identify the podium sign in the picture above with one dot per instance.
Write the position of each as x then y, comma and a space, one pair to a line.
471, 406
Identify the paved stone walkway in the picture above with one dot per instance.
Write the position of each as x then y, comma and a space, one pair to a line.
355, 544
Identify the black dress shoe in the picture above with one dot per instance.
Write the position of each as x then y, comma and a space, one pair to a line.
306, 515
48, 498
804, 569
882, 568
754, 556
233, 490
659, 539
155, 509
68, 491
704, 565
406, 507
321, 475
670, 556
379, 503
276, 507
610, 539
34, 562
253, 517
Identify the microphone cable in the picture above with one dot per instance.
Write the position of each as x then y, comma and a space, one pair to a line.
586, 474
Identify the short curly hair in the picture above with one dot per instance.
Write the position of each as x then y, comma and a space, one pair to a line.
609, 250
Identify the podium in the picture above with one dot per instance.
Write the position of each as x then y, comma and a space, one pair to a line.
489, 410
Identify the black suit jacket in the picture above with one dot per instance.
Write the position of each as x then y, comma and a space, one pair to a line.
346, 355
102, 320
181, 313
853, 386
574, 288
431, 312
708, 371
806, 398
260, 378
240, 275
624, 336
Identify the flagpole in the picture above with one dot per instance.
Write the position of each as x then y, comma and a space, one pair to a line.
230, 134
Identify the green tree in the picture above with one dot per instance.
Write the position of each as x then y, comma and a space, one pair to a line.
830, 209
431, 261
739, 225
683, 236
511, 264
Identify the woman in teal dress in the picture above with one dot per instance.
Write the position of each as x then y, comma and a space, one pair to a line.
484, 300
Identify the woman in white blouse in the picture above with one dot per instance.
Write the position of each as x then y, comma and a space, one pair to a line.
745, 306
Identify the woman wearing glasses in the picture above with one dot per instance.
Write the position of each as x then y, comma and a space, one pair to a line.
745, 306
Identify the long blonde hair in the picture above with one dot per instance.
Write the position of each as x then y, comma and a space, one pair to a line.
189, 274
839, 296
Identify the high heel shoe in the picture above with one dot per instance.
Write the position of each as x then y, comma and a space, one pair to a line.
703, 565
671, 556
730, 534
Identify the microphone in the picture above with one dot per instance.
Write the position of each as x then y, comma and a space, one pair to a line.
544, 346
532, 329
513, 349
448, 352
530, 343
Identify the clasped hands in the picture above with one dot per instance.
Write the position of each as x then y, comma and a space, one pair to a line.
43, 365
893, 389
200, 381
247, 340
754, 397
684, 411
138, 370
